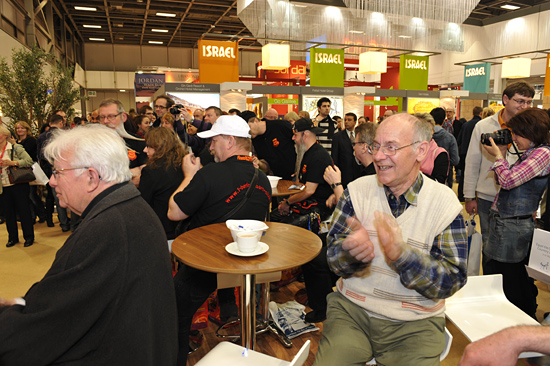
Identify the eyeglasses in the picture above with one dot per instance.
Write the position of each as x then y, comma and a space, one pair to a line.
523, 102
149, 113
110, 117
161, 107
357, 143
387, 150
56, 172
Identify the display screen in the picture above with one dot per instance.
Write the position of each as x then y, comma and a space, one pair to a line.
193, 101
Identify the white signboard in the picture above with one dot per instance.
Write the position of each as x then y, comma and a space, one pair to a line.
539, 261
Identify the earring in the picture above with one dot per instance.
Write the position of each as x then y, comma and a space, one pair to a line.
531, 144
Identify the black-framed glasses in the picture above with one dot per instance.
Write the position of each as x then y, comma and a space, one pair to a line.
110, 117
527, 103
161, 107
387, 150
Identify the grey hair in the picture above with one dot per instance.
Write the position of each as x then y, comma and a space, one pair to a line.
422, 131
428, 119
366, 132
94, 146
120, 109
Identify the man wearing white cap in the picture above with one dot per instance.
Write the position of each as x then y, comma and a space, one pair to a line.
211, 195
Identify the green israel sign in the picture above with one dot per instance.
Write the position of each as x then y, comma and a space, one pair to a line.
326, 67
413, 72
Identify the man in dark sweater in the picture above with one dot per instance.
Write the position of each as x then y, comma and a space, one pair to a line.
108, 298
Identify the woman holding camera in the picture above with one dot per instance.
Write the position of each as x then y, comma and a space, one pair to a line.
511, 219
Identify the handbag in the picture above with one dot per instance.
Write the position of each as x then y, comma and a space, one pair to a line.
19, 175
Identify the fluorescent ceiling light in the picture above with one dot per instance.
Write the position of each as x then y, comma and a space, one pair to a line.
170, 15
141, 72
122, 90
85, 8
510, 7
91, 26
356, 32
97, 39
299, 6
402, 36
155, 42
160, 30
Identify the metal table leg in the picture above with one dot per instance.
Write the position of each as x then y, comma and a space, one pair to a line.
248, 311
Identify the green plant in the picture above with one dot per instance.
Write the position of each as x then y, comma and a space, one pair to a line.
28, 93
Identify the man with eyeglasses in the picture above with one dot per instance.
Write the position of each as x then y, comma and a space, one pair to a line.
480, 187
146, 110
112, 115
108, 297
399, 243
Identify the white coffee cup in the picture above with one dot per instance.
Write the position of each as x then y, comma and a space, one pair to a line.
247, 241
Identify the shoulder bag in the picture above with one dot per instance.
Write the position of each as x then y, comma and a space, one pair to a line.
18, 175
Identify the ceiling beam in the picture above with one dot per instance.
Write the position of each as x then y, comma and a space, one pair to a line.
144, 21
180, 22
106, 6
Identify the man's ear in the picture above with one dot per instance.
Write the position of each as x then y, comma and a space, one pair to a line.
93, 178
124, 117
422, 151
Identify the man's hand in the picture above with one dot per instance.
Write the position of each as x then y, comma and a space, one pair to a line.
186, 115
284, 208
471, 207
358, 243
495, 350
332, 175
331, 201
6, 302
389, 235
190, 165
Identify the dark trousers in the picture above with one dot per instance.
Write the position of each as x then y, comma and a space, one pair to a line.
15, 199
319, 280
37, 206
51, 198
461, 166
193, 287
519, 288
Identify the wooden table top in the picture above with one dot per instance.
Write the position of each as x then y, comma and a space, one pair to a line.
282, 188
204, 248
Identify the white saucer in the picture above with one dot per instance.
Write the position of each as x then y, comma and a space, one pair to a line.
232, 248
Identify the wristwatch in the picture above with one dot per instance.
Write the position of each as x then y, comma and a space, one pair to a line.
334, 185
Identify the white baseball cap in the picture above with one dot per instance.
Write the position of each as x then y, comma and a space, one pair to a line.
229, 126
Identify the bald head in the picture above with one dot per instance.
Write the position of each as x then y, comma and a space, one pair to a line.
271, 114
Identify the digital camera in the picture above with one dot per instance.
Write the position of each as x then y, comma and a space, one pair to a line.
500, 137
176, 109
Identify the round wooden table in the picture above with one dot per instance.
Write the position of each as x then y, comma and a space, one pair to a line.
204, 248
282, 188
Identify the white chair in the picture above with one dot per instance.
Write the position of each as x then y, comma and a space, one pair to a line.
448, 343
230, 354
480, 309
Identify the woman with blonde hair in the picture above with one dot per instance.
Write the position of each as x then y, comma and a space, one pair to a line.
163, 173
14, 198
292, 117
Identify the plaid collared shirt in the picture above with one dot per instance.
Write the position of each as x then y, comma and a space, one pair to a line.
436, 276
534, 163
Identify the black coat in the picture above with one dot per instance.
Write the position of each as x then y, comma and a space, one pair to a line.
108, 298
342, 155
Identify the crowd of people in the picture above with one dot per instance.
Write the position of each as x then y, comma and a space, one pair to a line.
395, 249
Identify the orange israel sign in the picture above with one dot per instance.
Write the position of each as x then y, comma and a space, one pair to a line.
218, 61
